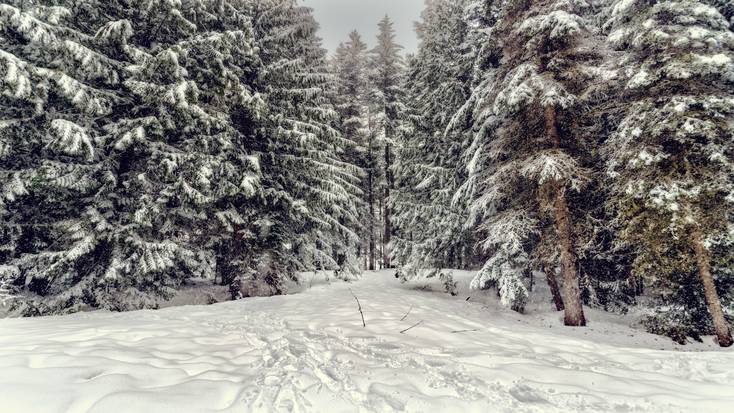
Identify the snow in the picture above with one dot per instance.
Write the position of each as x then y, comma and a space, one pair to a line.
119, 31
641, 79
71, 138
308, 352
13, 189
719, 59
558, 23
17, 82
621, 7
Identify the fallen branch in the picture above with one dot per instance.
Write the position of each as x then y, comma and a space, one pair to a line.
359, 306
413, 326
464, 331
406, 314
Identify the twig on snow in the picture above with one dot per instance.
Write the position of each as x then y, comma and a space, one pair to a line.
406, 314
464, 331
359, 306
413, 326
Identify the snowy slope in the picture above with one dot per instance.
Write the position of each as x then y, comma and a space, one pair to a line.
309, 353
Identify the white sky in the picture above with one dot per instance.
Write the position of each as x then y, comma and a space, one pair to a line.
339, 17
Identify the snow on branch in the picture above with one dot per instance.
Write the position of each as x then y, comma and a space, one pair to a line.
28, 26
117, 32
554, 166
557, 24
526, 87
509, 230
70, 139
15, 82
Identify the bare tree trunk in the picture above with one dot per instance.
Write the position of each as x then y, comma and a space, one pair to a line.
371, 202
387, 234
381, 236
571, 292
550, 276
723, 332
574, 310
551, 127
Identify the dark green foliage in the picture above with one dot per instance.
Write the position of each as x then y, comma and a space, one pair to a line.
144, 143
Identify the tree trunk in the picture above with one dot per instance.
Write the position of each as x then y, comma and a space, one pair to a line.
550, 276
371, 202
381, 249
387, 234
551, 127
571, 292
723, 332
574, 310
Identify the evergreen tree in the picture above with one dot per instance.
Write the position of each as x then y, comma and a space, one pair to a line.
526, 161
350, 67
58, 89
429, 225
200, 132
121, 227
312, 192
385, 93
671, 157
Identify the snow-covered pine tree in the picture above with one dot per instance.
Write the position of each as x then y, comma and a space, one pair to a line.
57, 90
194, 180
672, 158
311, 191
526, 159
127, 85
429, 226
350, 71
386, 92
350, 67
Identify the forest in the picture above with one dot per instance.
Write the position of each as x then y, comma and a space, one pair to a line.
583, 145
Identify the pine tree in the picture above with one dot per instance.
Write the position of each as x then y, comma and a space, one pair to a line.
429, 225
671, 155
526, 158
197, 86
57, 90
350, 68
125, 227
385, 94
312, 192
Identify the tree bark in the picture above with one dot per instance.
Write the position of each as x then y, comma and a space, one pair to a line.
387, 234
571, 292
723, 331
550, 276
371, 202
551, 127
574, 310
380, 237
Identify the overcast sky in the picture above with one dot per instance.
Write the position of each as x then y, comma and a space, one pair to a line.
339, 17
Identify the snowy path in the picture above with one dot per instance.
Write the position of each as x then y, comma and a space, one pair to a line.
309, 353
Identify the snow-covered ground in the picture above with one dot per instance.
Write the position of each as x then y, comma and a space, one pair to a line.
308, 352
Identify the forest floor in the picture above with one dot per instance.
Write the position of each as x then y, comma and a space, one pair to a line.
308, 352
